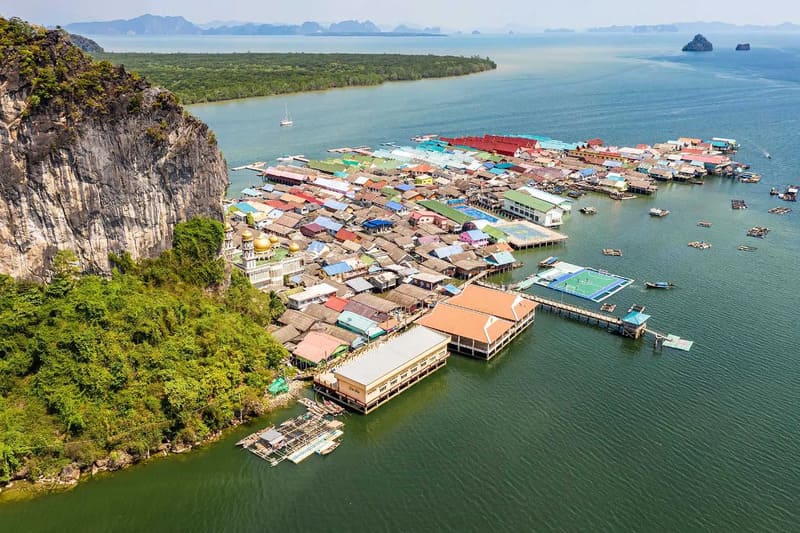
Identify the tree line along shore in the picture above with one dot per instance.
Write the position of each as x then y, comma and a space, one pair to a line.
197, 78
97, 372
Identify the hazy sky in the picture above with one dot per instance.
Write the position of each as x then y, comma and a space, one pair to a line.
462, 14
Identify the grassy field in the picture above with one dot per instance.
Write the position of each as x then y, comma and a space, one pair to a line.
211, 77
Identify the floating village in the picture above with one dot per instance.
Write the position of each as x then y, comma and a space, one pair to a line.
384, 257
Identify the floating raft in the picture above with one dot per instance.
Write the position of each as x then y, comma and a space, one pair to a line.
779, 210
676, 343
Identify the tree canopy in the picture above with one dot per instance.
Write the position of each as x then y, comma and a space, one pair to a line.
210, 77
163, 351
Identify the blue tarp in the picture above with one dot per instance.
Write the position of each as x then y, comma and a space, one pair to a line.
377, 223
585, 172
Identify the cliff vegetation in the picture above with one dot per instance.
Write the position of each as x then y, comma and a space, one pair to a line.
100, 372
211, 77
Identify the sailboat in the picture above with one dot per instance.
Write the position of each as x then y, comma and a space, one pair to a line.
287, 120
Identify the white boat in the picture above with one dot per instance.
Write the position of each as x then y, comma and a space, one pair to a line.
287, 120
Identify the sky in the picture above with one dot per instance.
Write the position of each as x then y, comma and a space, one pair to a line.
452, 15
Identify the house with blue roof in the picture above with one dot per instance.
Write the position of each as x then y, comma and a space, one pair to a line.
634, 323
474, 237
501, 260
446, 251
333, 205
330, 225
360, 325
397, 208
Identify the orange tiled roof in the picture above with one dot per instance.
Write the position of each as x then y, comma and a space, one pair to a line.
493, 302
465, 323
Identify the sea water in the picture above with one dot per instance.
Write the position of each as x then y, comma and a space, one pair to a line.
570, 428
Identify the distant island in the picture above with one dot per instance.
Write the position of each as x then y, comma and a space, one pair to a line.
698, 44
198, 78
743, 47
659, 28
695, 27
559, 30
158, 25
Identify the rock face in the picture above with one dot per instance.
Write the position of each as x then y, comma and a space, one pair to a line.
85, 44
698, 44
743, 47
92, 158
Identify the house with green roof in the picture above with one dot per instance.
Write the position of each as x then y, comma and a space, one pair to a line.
536, 210
446, 211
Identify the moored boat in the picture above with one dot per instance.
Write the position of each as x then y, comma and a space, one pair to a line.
749, 177
659, 285
658, 212
329, 447
588, 210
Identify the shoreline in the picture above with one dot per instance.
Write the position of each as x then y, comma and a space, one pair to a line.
23, 489
335, 88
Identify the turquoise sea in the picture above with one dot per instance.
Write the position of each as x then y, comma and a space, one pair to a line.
571, 428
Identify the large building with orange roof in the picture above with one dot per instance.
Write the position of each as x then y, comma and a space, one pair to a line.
481, 321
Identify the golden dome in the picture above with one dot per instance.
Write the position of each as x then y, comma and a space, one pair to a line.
228, 227
247, 235
273, 239
262, 244
294, 247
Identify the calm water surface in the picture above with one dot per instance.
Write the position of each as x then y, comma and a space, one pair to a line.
570, 429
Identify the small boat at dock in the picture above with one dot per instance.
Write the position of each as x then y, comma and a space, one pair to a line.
749, 177
329, 447
608, 308
658, 212
548, 261
659, 285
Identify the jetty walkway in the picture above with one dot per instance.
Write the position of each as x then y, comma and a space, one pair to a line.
611, 323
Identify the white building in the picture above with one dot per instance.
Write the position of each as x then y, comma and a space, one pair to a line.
536, 210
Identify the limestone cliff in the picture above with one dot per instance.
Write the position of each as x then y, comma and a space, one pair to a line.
92, 158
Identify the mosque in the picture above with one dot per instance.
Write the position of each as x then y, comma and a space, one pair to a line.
265, 262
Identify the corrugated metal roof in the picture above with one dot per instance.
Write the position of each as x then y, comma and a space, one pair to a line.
359, 284
337, 268
391, 355
359, 324
529, 201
